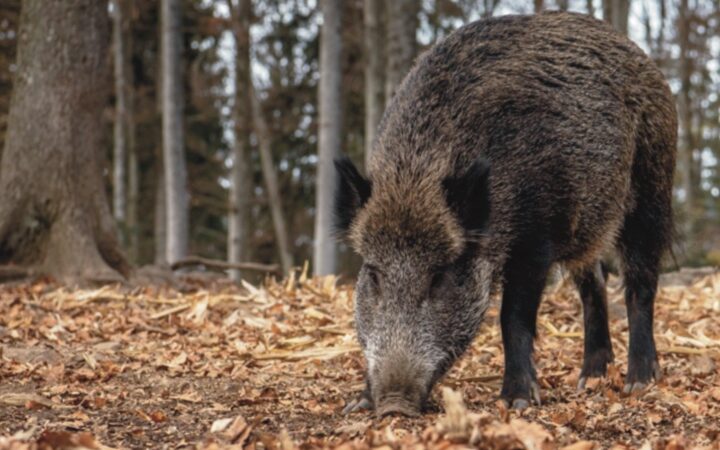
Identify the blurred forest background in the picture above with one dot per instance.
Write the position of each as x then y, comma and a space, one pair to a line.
207, 128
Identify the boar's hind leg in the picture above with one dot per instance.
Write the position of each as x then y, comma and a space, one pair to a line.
644, 237
647, 233
598, 348
525, 276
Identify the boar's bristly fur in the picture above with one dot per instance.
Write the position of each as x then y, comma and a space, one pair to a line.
516, 143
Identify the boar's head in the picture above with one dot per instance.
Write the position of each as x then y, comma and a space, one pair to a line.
424, 285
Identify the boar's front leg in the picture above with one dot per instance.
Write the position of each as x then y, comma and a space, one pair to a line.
525, 275
598, 347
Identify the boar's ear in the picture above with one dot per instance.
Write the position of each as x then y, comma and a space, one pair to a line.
353, 190
468, 196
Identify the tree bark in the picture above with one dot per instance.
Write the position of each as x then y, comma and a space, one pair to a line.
686, 167
133, 190
616, 12
121, 113
489, 8
176, 194
562, 5
374, 72
160, 226
10, 12
54, 215
133, 224
241, 187
330, 118
402, 24
271, 183
661, 31
648, 31
538, 6
590, 8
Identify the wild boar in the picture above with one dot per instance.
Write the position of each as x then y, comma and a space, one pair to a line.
514, 144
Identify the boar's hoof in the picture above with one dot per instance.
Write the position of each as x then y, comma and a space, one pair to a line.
520, 403
637, 386
535, 392
635, 383
594, 366
595, 362
582, 383
357, 405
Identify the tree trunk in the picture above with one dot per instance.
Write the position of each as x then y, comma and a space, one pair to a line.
648, 31
538, 6
616, 12
241, 187
402, 24
660, 45
133, 223
54, 214
133, 197
10, 13
121, 113
160, 226
374, 72
686, 163
562, 5
607, 10
133, 192
330, 118
489, 8
590, 8
271, 183
176, 194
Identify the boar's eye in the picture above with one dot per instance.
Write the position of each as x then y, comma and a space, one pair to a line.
374, 275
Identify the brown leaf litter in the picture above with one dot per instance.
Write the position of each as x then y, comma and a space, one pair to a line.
216, 366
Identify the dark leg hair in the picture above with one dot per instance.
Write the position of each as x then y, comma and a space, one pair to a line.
598, 348
525, 276
641, 276
644, 238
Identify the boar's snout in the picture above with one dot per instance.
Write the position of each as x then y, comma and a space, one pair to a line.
396, 404
400, 386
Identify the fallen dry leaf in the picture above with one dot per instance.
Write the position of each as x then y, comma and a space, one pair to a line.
220, 424
23, 399
354, 429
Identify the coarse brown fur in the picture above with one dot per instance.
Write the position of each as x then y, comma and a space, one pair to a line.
578, 129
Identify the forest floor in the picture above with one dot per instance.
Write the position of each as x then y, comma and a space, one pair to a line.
209, 366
